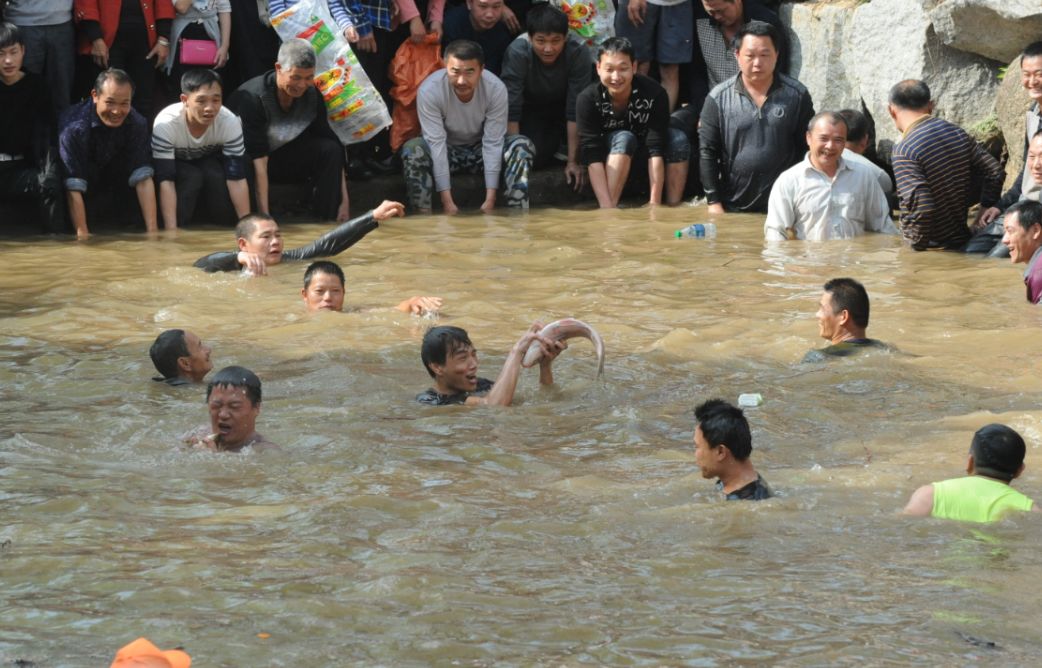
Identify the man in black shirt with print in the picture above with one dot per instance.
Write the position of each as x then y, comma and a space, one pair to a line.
723, 444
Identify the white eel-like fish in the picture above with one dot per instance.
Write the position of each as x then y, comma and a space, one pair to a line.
567, 328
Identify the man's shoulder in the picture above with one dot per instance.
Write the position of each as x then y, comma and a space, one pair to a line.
520, 50
76, 118
647, 85
492, 83
722, 89
257, 85
433, 84
170, 116
793, 83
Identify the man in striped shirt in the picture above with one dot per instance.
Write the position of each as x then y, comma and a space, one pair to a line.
940, 171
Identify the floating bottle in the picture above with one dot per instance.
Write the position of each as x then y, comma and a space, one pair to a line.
697, 231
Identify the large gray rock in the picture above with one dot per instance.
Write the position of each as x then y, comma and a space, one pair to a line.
995, 29
851, 53
1011, 103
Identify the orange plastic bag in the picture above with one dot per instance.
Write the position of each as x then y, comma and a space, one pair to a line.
410, 66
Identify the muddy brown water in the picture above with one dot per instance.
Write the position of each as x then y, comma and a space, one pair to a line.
570, 529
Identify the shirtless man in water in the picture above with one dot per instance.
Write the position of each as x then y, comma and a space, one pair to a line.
234, 400
324, 290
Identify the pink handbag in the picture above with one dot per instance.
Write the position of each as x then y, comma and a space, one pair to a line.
197, 52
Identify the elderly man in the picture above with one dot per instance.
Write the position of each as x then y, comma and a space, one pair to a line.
180, 357
723, 446
234, 400
104, 148
463, 112
287, 134
481, 21
753, 125
1022, 229
825, 196
843, 320
938, 168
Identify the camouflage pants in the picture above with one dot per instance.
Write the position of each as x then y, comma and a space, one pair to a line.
418, 169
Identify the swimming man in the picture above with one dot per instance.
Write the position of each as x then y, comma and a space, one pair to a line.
234, 400
324, 291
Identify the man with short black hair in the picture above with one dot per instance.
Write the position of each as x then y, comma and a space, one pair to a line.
480, 21
324, 290
463, 117
984, 495
723, 446
824, 196
624, 117
180, 358
234, 400
452, 361
50, 43
842, 315
199, 153
753, 126
938, 169
287, 134
104, 147
1022, 227
544, 71
857, 144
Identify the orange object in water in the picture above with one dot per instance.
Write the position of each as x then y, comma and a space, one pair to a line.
143, 654
411, 65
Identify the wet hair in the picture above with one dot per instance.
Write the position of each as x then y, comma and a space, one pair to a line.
166, 350
757, 29
323, 267
296, 53
850, 296
10, 35
194, 79
998, 452
910, 94
440, 342
237, 376
857, 124
724, 424
546, 18
247, 225
1031, 51
616, 45
1029, 212
115, 75
834, 117
465, 49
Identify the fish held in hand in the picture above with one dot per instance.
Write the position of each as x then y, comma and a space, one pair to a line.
560, 330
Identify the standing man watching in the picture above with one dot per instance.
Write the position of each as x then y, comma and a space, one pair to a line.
939, 170
623, 117
660, 31
480, 21
50, 44
723, 445
287, 134
1022, 228
198, 150
753, 125
463, 116
824, 196
104, 148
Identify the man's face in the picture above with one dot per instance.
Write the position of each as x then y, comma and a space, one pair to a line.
11, 61
1021, 243
826, 140
464, 76
727, 13
1031, 77
548, 46
199, 363
615, 71
485, 14
112, 103
829, 323
460, 371
294, 81
1034, 158
757, 58
325, 292
265, 241
232, 416
706, 458
203, 105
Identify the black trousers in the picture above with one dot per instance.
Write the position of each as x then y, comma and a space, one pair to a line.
202, 193
128, 52
312, 159
548, 131
33, 197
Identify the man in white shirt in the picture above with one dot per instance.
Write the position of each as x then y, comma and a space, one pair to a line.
824, 196
463, 115
199, 153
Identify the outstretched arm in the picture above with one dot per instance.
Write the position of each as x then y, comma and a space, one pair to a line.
347, 234
502, 392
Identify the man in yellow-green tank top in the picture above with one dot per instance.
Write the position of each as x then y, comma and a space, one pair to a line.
996, 458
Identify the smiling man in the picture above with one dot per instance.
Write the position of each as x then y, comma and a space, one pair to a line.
324, 290
260, 241
452, 361
180, 357
723, 446
233, 398
1022, 229
825, 196
843, 320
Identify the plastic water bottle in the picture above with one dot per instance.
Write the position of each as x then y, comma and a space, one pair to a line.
697, 231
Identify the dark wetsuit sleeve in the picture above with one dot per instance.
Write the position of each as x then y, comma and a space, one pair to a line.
336, 240
709, 138
220, 261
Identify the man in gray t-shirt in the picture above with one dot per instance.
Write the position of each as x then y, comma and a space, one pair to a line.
463, 117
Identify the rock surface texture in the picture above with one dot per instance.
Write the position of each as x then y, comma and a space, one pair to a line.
1011, 103
996, 29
